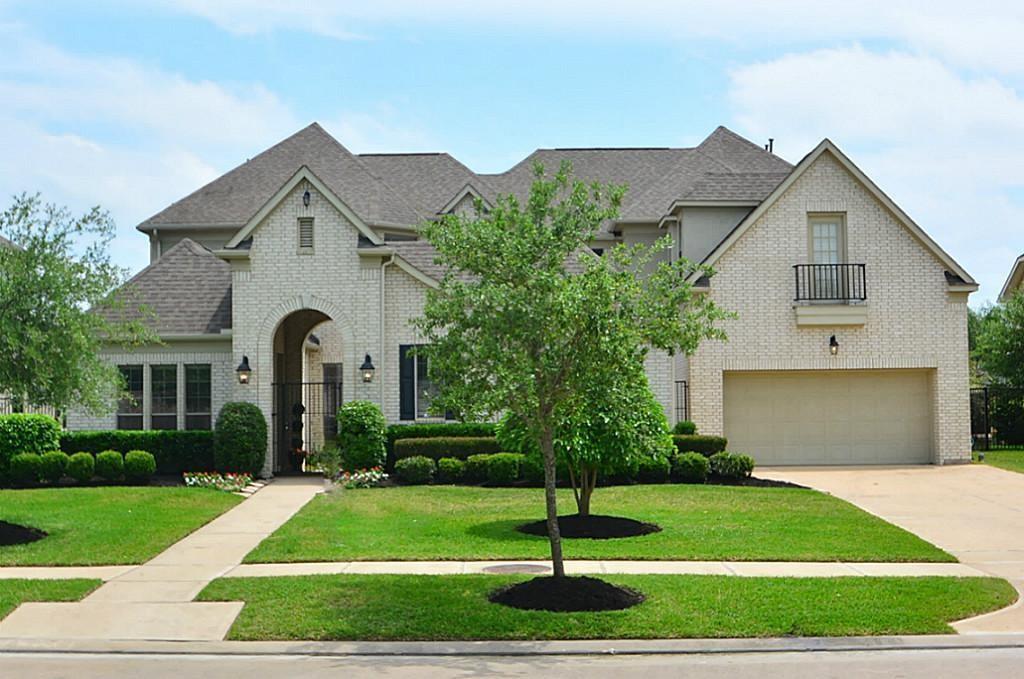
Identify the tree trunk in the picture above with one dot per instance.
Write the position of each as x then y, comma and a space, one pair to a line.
547, 449
588, 479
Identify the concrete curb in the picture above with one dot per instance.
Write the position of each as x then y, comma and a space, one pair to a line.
515, 648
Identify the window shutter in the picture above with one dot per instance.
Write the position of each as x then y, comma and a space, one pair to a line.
406, 383
306, 232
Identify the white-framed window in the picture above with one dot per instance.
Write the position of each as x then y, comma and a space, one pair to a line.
305, 234
828, 239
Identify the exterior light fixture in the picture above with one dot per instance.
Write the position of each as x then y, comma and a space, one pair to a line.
244, 371
833, 345
367, 369
305, 198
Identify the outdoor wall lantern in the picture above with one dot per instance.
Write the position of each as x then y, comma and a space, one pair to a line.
367, 369
244, 371
833, 345
305, 198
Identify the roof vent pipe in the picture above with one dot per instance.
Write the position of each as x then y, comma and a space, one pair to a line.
770, 146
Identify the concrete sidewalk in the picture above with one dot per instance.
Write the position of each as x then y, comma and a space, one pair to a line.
154, 600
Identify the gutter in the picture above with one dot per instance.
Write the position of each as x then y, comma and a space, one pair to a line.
383, 266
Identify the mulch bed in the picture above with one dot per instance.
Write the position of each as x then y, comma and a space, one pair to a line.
13, 534
564, 595
752, 482
594, 527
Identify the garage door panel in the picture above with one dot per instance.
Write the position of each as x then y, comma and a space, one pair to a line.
830, 417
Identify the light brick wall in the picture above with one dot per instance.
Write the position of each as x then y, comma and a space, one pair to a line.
913, 321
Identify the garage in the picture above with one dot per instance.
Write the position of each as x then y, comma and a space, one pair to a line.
830, 417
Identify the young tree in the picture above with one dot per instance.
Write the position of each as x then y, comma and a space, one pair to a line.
526, 320
997, 335
56, 307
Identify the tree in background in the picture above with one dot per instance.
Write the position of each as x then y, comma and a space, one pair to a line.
528, 322
58, 306
997, 341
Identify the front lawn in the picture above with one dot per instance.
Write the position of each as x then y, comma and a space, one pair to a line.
455, 607
105, 526
1010, 459
13, 593
699, 523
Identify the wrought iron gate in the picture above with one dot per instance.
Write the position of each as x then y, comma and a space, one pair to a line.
997, 417
305, 417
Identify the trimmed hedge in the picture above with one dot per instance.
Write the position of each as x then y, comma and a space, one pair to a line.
24, 468
732, 465
450, 470
396, 432
653, 469
685, 428
240, 438
110, 465
26, 433
503, 468
361, 435
52, 466
476, 468
139, 466
690, 467
81, 467
699, 443
415, 470
460, 447
174, 451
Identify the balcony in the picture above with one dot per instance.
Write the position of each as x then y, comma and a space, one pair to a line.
830, 294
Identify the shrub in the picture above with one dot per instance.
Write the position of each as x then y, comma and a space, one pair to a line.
26, 433
476, 468
25, 468
732, 465
460, 447
653, 469
240, 438
175, 451
699, 443
110, 465
531, 470
52, 466
361, 435
513, 435
503, 468
690, 467
139, 466
450, 470
81, 467
396, 432
414, 470
685, 428
231, 483
327, 460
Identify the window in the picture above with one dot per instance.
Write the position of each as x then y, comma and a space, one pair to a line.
305, 233
828, 248
164, 390
332, 398
416, 390
197, 397
129, 408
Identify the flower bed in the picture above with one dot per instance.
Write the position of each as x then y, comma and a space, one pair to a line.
229, 482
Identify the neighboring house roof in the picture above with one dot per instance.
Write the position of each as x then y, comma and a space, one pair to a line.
188, 289
4, 243
962, 278
1015, 281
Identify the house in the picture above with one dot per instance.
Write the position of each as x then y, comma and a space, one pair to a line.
1014, 282
290, 282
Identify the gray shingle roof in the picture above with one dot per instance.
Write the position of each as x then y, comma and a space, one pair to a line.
4, 243
188, 288
745, 186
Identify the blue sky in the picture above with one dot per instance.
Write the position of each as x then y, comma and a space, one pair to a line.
132, 105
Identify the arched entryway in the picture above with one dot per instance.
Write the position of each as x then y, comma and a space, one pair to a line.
307, 387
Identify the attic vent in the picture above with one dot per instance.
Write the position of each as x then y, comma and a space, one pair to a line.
306, 233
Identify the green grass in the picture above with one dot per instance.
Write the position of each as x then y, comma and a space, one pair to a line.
105, 526
1010, 459
16, 592
455, 607
698, 522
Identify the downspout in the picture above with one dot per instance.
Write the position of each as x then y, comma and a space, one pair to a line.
383, 265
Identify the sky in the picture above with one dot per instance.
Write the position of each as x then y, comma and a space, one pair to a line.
131, 105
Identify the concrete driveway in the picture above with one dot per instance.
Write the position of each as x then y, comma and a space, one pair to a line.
974, 512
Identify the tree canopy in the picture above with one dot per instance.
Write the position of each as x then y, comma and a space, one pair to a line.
528, 321
58, 306
997, 342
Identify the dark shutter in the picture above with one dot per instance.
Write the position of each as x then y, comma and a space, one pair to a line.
406, 383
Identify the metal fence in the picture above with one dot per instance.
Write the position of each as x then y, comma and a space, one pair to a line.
682, 401
830, 282
997, 417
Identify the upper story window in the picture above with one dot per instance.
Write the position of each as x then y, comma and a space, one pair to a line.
129, 408
164, 389
828, 239
197, 397
305, 234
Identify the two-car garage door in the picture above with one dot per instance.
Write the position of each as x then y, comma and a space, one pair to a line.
830, 416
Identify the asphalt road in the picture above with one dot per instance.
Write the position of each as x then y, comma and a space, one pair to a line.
906, 664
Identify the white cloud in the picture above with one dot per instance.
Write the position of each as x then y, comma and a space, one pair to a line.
945, 146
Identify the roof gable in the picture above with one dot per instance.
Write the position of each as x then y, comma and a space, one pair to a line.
1015, 281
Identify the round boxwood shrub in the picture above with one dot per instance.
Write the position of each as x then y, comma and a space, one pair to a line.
690, 467
503, 468
25, 468
362, 435
110, 465
52, 466
81, 467
476, 468
684, 428
450, 470
139, 466
240, 438
415, 470
531, 470
732, 465
653, 469
26, 433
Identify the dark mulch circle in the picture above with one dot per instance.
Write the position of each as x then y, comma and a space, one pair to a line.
594, 527
13, 534
565, 595
752, 482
